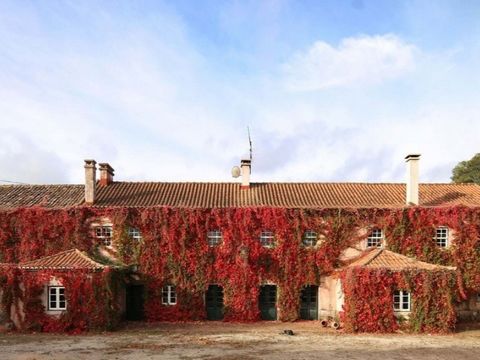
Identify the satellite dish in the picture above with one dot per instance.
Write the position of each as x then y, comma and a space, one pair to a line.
235, 171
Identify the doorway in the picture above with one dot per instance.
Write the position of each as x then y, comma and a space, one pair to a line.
309, 303
268, 302
214, 302
134, 302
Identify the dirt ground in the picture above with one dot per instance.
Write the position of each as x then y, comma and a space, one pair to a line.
226, 341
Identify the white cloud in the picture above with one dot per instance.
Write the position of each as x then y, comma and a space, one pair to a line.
156, 106
357, 60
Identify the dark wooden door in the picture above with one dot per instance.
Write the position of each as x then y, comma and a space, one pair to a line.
214, 302
134, 302
268, 302
309, 303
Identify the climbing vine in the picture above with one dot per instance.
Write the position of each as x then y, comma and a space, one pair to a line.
368, 295
174, 250
91, 298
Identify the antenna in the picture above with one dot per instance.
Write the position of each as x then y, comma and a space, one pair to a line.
250, 142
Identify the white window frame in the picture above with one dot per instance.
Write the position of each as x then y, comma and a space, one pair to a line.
135, 234
55, 291
442, 237
310, 238
401, 297
214, 238
170, 293
104, 233
267, 238
375, 239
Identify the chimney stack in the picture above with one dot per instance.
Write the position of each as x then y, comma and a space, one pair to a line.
412, 178
246, 166
90, 181
106, 174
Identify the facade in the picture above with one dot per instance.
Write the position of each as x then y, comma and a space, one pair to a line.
374, 257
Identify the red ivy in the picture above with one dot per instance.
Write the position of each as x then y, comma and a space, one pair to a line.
174, 250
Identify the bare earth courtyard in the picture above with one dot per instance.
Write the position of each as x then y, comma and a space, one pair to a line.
217, 340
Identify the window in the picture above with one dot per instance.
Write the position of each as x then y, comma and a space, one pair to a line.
441, 236
56, 298
267, 238
169, 295
401, 300
309, 238
134, 234
214, 238
104, 233
375, 239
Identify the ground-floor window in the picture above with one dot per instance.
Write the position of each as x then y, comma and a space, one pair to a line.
56, 298
401, 300
169, 295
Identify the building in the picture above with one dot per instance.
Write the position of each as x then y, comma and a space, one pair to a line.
376, 256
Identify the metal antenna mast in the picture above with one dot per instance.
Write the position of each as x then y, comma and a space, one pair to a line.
250, 142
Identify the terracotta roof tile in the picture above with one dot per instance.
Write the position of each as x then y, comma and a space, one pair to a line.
224, 195
52, 196
292, 195
65, 260
386, 259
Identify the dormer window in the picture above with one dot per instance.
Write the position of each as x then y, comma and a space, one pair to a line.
104, 233
267, 239
214, 238
309, 238
441, 236
375, 239
134, 234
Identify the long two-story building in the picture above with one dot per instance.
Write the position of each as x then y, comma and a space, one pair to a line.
374, 256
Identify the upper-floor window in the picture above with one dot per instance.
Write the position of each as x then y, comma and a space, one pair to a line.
375, 238
401, 300
169, 295
214, 238
134, 234
56, 298
309, 238
104, 233
441, 236
267, 238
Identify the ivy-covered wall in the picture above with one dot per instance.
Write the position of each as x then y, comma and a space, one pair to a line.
92, 299
174, 249
369, 300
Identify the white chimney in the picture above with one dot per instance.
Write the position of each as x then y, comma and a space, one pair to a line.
246, 166
412, 178
90, 181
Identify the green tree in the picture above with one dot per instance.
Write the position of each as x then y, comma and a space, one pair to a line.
467, 171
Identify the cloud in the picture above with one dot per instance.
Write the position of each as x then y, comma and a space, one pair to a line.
21, 161
357, 60
146, 94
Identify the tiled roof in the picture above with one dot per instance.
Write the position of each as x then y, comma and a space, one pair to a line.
66, 260
52, 196
212, 195
292, 195
386, 259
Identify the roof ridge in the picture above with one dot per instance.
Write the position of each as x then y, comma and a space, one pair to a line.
415, 260
281, 182
379, 251
20, 185
48, 256
85, 256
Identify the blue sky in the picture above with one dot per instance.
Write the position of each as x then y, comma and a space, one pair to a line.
331, 90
